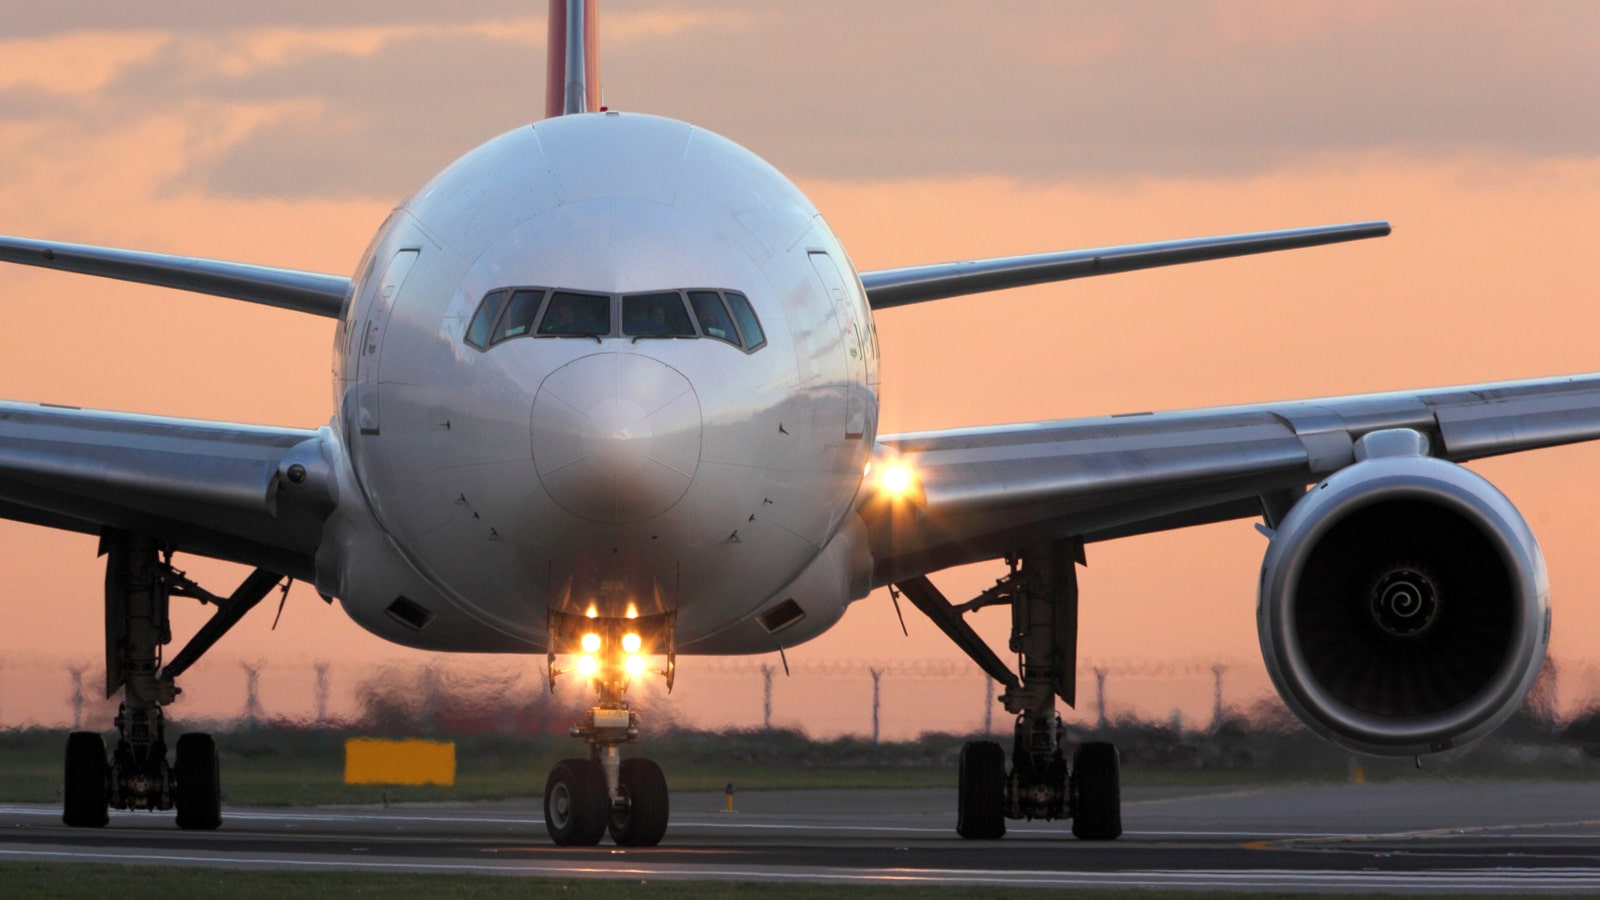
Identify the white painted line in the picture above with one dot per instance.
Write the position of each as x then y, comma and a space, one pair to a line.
1472, 880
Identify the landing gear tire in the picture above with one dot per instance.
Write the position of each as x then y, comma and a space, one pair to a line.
1096, 792
84, 790
199, 789
643, 822
981, 796
577, 806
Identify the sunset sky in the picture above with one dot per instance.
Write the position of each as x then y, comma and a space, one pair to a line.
925, 131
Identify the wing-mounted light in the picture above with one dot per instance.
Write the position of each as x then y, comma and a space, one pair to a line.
611, 649
890, 485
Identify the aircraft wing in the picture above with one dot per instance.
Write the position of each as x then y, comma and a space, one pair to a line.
308, 292
917, 284
985, 492
250, 494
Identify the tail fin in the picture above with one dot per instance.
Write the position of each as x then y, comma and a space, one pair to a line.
572, 69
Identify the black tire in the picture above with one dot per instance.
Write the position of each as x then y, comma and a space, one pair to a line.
199, 783
577, 805
83, 792
981, 795
643, 822
1096, 792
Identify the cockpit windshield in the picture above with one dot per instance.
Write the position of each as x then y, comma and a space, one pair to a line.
713, 316
656, 315
519, 316
583, 315
513, 312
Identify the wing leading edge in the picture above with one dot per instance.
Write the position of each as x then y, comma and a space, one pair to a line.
307, 292
916, 284
249, 494
989, 491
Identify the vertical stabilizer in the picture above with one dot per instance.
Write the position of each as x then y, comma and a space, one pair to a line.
572, 69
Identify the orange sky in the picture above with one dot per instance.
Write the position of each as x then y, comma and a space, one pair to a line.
284, 136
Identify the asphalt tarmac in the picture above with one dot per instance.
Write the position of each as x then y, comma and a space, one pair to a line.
1419, 836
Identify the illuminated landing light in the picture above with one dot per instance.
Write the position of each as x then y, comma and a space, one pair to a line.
588, 666
633, 611
631, 643
635, 665
893, 486
897, 479
591, 643
592, 612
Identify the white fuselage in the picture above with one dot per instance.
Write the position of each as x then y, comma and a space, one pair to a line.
487, 486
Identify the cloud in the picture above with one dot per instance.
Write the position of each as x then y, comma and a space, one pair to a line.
384, 95
73, 63
380, 106
1058, 90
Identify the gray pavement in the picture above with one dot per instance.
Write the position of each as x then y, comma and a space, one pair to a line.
1418, 836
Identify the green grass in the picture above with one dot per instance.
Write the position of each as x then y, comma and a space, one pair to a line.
273, 767
271, 770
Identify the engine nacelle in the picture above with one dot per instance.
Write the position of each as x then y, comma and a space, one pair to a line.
1404, 605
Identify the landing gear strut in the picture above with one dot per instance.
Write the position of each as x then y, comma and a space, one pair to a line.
1042, 591
140, 579
586, 798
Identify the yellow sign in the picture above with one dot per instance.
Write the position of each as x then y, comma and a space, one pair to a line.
375, 761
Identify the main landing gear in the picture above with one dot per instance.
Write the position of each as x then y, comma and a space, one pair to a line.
1042, 591
584, 798
139, 580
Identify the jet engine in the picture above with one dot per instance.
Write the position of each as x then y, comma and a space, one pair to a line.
1404, 605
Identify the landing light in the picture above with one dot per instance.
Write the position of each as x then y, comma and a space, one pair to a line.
633, 611
897, 479
591, 612
588, 666
635, 665
631, 643
591, 643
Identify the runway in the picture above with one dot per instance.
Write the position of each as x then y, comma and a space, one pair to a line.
1422, 836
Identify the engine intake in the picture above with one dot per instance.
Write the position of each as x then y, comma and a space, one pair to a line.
1404, 606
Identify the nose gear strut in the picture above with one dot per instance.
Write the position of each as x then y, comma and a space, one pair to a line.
1042, 591
585, 798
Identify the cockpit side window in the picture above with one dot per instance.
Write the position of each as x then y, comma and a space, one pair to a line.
749, 326
519, 316
714, 319
655, 315
584, 315
483, 319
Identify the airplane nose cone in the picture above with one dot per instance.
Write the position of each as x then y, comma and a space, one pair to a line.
616, 437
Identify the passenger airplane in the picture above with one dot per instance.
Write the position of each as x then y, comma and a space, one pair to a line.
607, 390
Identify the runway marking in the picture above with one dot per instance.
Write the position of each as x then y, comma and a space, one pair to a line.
229, 815
1500, 830
1484, 880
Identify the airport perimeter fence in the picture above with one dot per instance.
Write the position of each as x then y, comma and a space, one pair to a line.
891, 700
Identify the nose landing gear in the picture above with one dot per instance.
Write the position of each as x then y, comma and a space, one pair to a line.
586, 798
